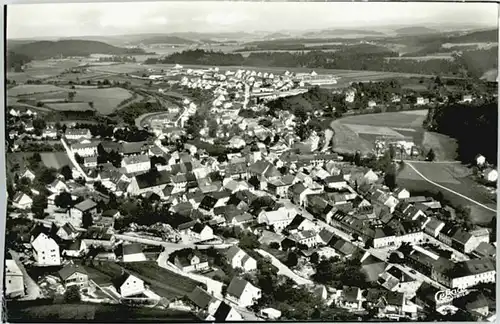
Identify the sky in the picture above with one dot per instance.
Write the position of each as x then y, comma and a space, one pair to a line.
118, 18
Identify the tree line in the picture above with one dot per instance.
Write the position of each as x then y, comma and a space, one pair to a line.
349, 58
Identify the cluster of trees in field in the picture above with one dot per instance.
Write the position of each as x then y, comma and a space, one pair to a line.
473, 125
356, 57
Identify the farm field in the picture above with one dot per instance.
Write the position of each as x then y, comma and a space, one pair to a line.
105, 100
70, 106
30, 89
55, 159
359, 132
453, 176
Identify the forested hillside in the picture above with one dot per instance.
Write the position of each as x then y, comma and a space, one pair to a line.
474, 126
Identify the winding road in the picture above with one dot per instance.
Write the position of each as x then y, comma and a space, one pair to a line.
447, 189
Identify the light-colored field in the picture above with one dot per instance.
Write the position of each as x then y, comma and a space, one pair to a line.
28, 89
375, 130
105, 100
443, 146
346, 140
55, 159
422, 112
70, 106
390, 119
118, 68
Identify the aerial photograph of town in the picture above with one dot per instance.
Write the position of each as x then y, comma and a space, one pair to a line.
250, 161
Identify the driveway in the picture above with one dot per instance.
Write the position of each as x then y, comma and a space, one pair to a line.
284, 270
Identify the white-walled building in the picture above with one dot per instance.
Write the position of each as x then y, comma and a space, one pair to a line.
46, 251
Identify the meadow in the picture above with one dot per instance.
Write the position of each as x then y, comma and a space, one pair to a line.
453, 176
31, 89
105, 100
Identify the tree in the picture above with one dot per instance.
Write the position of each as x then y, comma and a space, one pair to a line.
72, 295
39, 123
46, 175
390, 177
91, 104
357, 158
314, 258
431, 155
78, 158
71, 95
249, 241
87, 220
63, 200
274, 245
66, 172
292, 259
39, 204
392, 151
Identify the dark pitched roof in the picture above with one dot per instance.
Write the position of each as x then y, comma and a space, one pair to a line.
198, 227
133, 147
208, 203
200, 297
236, 287
69, 270
222, 312
149, 179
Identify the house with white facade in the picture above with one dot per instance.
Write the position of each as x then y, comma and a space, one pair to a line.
278, 219
84, 149
45, 251
238, 258
73, 275
136, 163
128, 285
77, 134
242, 293
57, 186
14, 279
472, 272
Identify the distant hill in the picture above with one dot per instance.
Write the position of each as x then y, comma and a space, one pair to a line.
47, 49
276, 35
411, 31
476, 37
166, 39
345, 33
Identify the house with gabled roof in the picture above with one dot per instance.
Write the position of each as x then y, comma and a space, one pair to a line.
28, 174
57, 186
242, 293
128, 285
45, 251
239, 259
189, 260
73, 275
150, 181
200, 232
75, 249
22, 201
131, 252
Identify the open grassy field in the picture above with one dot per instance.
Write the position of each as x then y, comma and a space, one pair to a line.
443, 146
359, 132
453, 176
55, 159
31, 89
105, 100
70, 106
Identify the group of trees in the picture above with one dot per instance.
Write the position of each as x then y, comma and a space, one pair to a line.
334, 272
474, 126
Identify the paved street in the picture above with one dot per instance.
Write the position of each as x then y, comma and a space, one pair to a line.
71, 157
